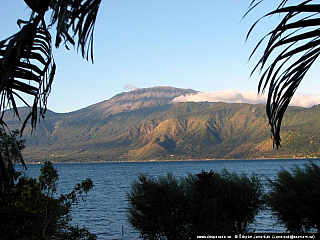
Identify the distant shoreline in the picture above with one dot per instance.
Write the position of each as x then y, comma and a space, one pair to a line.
173, 160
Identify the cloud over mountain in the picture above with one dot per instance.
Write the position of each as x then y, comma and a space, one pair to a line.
235, 96
130, 87
305, 101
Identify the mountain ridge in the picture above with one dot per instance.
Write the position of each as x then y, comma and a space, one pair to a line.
145, 124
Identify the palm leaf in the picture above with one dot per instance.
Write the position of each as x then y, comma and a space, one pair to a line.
83, 21
26, 61
75, 18
27, 66
296, 43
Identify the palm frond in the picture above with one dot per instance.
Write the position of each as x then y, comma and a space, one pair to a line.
296, 43
75, 18
27, 66
61, 15
83, 21
26, 61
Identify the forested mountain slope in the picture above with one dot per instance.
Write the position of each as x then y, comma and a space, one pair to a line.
145, 125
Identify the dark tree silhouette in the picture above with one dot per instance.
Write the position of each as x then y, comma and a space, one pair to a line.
33, 209
204, 203
294, 198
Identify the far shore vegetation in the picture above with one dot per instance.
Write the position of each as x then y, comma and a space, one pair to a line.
171, 160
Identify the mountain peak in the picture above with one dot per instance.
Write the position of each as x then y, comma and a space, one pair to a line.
140, 98
165, 94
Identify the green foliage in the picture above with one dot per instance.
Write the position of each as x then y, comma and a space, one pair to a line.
204, 203
242, 197
295, 198
206, 207
31, 211
10, 148
157, 208
224, 202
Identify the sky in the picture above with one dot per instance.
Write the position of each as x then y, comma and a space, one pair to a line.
194, 44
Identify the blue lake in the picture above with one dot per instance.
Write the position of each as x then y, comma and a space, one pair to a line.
104, 211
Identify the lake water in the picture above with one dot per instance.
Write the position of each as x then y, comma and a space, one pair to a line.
104, 211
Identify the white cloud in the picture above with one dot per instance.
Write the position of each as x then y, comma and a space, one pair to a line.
305, 101
235, 96
130, 87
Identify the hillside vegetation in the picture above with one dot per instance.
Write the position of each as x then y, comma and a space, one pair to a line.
145, 125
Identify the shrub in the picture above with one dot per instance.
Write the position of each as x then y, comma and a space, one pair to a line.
223, 202
157, 207
295, 197
242, 198
31, 211
205, 211
204, 203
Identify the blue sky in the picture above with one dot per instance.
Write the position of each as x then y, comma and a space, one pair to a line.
197, 44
